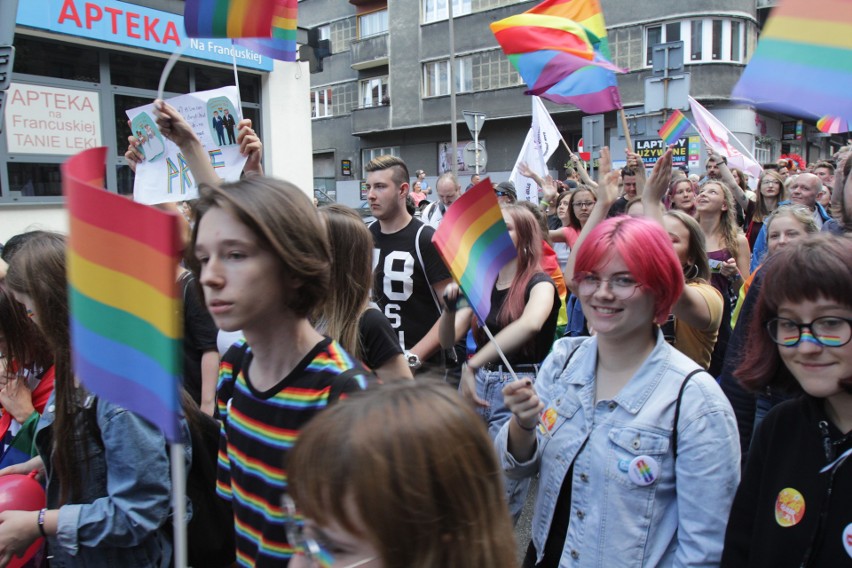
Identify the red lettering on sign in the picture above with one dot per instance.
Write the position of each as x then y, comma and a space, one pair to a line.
171, 34
93, 14
133, 24
150, 29
69, 12
115, 13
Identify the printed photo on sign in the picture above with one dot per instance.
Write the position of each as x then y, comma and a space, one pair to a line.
223, 120
153, 144
164, 176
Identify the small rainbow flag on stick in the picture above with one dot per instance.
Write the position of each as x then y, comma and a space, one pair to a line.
475, 244
282, 44
122, 285
674, 128
228, 18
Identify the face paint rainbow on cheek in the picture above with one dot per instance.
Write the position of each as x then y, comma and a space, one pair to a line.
30, 313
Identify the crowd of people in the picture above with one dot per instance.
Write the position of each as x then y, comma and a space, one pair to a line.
671, 358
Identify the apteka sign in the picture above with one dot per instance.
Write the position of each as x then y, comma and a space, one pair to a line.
128, 24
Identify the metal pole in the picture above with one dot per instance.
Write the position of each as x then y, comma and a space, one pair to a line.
476, 143
454, 140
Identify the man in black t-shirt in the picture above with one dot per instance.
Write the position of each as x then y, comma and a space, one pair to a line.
408, 274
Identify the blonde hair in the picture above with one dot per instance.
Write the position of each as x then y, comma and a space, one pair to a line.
351, 277
728, 226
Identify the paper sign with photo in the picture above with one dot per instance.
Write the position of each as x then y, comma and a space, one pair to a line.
164, 175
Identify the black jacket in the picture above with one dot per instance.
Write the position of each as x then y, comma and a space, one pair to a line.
792, 444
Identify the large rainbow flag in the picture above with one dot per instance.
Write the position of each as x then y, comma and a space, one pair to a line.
803, 61
475, 244
122, 284
561, 51
282, 44
228, 18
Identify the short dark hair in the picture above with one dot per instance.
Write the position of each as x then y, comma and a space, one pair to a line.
399, 171
15, 243
823, 164
627, 172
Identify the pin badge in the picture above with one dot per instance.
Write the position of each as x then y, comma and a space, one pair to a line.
643, 470
789, 507
548, 418
847, 539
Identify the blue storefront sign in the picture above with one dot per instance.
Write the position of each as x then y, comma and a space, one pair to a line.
131, 25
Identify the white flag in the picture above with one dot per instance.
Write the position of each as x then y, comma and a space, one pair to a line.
527, 188
719, 138
545, 134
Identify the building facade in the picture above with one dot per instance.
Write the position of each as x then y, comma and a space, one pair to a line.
385, 87
79, 66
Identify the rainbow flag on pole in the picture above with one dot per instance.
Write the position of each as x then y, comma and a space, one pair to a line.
803, 61
561, 51
122, 284
282, 44
228, 18
474, 242
674, 128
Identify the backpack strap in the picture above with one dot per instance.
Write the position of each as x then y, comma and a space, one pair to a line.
423, 267
341, 380
677, 409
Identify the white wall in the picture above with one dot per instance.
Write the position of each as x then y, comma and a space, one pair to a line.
18, 219
288, 143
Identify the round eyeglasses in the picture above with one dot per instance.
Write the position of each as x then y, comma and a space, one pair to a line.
622, 286
294, 528
828, 331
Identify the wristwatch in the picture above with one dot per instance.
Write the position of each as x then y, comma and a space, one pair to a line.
413, 360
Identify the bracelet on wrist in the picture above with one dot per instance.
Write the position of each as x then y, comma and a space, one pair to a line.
545, 203
41, 522
524, 428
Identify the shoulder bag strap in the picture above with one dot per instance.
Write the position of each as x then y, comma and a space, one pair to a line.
423, 267
677, 409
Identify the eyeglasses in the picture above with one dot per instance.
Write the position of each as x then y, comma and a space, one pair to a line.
621, 286
828, 331
294, 528
583, 204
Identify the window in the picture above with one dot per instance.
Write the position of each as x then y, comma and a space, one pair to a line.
705, 40
717, 40
74, 62
320, 103
325, 32
35, 179
342, 34
435, 10
493, 70
374, 91
374, 23
696, 46
436, 77
144, 72
370, 153
736, 40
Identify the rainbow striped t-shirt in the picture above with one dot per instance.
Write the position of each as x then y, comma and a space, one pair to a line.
259, 428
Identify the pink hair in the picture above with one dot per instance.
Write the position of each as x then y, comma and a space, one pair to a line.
647, 251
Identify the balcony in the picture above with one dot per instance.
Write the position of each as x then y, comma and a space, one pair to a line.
369, 52
368, 120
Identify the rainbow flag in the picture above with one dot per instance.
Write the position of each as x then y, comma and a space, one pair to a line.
832, 125
674, 128
282, 44
803, 62
122, 285
228, 18
474, 242
561, 51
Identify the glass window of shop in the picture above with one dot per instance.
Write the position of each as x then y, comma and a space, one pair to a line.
77, 95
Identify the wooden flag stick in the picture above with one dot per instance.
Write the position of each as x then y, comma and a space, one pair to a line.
626, 129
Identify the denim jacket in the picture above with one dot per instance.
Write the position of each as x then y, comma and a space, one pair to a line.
126, 493
630, 504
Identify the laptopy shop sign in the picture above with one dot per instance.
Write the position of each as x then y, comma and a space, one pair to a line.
128, 24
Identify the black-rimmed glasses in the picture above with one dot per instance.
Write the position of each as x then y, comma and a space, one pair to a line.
828, 331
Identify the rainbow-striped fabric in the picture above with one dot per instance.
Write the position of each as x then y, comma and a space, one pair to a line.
228, 18
832, 125
475, 244
561, 51
674, 128
122, 282
802, 62
282, 44
259, 429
